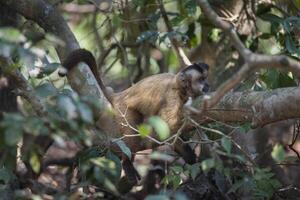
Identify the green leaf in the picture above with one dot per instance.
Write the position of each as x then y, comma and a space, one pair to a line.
191, 7
195, 170
147, 36
236, 186
35, 126
85, 113
139, 2
226, 144
123, 148
48, 69
278, 153
118, 166
177, 20
144, 130
116, 21
177, 169
13, 135
245, 127
88, 153
175, 181
106, 173
5, 175
160, 127
45, 90
67, 107
207, 164
290, 45
297, 3
35, 162
108, 167
161, 156
284, 80
270, 78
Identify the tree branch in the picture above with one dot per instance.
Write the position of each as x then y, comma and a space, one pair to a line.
45, 15
179, 51
81, 78
253, 61
258, 108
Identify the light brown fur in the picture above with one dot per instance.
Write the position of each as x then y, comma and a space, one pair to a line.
155, 95
163, 95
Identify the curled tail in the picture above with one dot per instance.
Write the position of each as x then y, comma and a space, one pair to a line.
83, 55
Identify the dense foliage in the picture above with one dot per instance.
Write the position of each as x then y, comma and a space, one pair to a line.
132, 40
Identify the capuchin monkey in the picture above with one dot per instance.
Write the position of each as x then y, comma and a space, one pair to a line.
162, 95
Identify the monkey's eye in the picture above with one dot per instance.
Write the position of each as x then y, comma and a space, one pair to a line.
202, 79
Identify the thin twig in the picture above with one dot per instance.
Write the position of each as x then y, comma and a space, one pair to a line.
179, 51
224, 135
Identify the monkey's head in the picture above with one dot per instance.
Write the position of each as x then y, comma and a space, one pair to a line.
193, 80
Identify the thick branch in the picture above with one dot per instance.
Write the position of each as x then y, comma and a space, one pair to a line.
259, 108
25, 90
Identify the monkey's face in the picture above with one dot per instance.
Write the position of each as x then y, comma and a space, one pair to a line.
193, 80
199, 85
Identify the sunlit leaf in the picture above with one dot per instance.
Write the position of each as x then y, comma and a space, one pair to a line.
207, 164
144, 130
160, 127
278, 153
35, 162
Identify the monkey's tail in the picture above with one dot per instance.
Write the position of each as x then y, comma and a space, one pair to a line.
83, 55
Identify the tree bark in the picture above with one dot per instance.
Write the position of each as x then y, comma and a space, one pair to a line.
259, 108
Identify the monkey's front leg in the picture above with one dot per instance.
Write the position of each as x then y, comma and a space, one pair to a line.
172, 115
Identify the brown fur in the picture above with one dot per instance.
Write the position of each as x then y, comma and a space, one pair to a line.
163, 95
155, 95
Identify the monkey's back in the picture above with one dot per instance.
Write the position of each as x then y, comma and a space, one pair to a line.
148, 95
